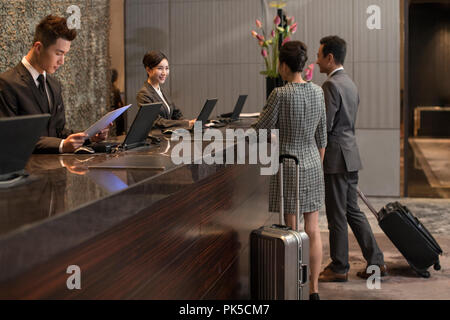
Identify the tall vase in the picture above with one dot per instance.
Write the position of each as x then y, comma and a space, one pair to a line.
272, 83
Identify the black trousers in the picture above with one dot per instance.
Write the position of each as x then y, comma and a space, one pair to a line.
342, 208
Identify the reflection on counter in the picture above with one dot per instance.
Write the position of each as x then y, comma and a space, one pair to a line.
107, 180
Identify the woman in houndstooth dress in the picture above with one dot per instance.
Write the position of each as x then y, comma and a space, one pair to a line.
298, 111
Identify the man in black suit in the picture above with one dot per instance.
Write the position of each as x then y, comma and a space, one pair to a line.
28, 88
341, 165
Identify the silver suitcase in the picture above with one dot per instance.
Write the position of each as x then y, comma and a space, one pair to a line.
279, 256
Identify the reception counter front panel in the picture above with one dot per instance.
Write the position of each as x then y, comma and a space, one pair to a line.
175, 233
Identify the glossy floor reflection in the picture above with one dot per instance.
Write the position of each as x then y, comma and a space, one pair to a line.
402, 282
428, 166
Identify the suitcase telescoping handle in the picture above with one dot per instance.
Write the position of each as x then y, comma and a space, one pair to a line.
297, 200
368, 204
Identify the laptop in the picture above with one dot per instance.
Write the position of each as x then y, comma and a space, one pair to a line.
202, 117
206, 111
138, 133
142, 124
19, 137
234, 116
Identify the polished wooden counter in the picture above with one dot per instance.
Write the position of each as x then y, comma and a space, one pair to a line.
177, 233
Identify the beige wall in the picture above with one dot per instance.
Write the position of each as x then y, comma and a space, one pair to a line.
212, 54
116, 43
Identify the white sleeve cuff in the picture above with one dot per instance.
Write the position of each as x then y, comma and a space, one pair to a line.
61, 146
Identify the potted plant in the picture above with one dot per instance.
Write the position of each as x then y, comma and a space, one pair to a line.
282, 30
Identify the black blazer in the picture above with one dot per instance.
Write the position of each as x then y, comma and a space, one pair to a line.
19, 95
147, 94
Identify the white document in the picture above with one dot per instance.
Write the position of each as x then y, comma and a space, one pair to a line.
105, 121
249, 115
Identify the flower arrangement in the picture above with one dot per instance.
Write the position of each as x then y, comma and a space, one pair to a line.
269, 45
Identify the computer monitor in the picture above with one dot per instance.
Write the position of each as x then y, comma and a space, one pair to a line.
142, 124
238, 107
19, 136
206, 111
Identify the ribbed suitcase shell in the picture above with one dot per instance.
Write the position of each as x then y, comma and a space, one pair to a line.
279, 257
279, 264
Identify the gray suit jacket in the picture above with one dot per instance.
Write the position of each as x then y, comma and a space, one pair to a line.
341, 100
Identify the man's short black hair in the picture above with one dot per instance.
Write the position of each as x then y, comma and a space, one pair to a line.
336, 46
51, 28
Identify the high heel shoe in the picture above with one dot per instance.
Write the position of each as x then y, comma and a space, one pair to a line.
314, 296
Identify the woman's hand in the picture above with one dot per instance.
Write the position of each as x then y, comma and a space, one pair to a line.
322, 153
191, 123
102, 135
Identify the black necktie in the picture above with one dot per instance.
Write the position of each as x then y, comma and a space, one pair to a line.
43, 92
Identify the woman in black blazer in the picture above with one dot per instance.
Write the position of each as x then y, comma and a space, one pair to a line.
157, 68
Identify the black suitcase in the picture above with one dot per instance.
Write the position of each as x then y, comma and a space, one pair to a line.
409, 235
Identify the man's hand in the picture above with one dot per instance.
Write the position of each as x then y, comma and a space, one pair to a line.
102, 135
73, 142
75, 166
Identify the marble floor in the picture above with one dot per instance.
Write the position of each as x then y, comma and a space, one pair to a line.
402, 283
428, 167
433, 213
433, 156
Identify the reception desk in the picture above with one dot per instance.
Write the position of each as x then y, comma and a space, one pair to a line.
163, 232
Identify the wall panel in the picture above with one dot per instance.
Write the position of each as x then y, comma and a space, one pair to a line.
212, 54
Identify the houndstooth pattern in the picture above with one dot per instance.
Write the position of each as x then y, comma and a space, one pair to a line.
298, 111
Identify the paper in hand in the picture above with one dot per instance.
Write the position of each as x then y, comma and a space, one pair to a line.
249, 115
105, 121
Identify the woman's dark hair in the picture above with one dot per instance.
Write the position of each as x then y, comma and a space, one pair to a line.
51, 28
153, 58
114, 75
335, 45
294, 54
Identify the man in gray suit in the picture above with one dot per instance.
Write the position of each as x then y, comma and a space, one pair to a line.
341, 165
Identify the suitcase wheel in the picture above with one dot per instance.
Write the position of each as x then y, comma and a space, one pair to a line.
437, 266
424, 274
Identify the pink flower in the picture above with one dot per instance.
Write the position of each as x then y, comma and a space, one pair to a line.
260, 37
308, 75
261, 43
290, 20
286, 40
277, 20
293, 28
258, 23
254, 34
309, 72
272, 33
264, 53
